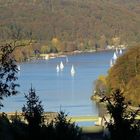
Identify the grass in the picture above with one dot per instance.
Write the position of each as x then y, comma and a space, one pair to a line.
83, 118
92, 129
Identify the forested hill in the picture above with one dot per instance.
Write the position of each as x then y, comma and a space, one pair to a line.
97, 21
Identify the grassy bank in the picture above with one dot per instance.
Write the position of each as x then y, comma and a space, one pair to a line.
83, 118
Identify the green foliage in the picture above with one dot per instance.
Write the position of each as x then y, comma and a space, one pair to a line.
8, 71
123, 124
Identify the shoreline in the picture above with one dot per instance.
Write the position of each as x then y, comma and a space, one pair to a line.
65, 54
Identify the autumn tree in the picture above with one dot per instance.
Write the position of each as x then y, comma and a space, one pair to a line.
133, 90
45, 49
100, 85
125, 73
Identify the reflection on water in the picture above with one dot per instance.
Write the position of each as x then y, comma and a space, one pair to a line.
58, 90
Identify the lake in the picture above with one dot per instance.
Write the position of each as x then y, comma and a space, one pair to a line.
59, 90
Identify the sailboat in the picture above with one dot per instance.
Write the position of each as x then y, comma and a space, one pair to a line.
18, 67
111, 63
120, 51
114, 56
72, 71
67, 59
61, 66
57, 68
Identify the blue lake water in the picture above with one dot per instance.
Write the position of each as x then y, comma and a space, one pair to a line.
61, 91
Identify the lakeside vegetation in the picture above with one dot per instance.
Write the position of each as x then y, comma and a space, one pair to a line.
68, 25
118, 108
31, 27
124, 75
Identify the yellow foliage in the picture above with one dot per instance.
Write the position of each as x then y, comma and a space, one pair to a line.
102, 78
125, 74
133, 90
116, 40
55, 41
44, 49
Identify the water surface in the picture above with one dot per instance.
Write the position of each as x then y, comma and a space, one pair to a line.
61, 91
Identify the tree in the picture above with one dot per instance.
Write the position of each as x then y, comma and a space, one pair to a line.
133, 90
65, 129
100, 85
5, 128
8, 71
33, 112
125, 71
123, 124
19, 129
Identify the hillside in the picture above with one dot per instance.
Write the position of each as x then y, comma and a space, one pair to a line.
94, 21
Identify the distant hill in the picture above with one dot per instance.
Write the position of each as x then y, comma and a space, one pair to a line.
96, 21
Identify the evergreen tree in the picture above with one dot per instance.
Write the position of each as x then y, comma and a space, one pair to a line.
123, 124
65, 129
33, 112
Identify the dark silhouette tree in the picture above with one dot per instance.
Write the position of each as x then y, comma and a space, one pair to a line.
33, 113
8, 71
65, 129
5, 128
19, 129
123, 124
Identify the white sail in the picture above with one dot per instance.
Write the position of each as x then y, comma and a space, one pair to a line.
72, 71
67, 59
114, 56
61, 65
120, 51
111, 63
57, 68
18, 67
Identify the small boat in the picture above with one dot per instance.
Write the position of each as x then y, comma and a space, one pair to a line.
61, 66
57, 68
120, 51
18, 67
114, 56
72, 71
